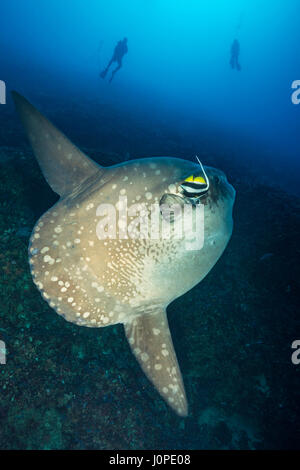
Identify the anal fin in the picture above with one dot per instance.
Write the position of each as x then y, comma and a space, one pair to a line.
150, 340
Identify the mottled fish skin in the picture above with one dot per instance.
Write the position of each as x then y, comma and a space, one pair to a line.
95, 282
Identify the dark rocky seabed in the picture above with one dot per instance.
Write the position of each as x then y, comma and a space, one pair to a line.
70, 387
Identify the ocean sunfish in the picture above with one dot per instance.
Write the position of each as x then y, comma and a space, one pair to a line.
122, 242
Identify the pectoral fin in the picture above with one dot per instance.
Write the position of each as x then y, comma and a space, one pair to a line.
150, 340
62, 163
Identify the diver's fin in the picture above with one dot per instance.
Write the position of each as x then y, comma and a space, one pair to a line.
62, 163
150, 339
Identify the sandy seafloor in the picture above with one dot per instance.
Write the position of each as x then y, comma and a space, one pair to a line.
70, 387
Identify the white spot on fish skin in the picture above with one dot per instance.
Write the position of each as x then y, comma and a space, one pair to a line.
174, 388
165, 390
70, 300
54, 279
77, 240
123, 191
58, 229
156, 331
148, 196
144, 357
120, 205
36, 235
158, 367
89, 206
165, 352
45, 249
86, 314
48, 259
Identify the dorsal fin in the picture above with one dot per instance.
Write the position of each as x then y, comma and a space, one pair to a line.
63, 165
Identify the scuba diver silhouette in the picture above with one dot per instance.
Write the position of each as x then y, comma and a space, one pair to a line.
120, 50
235, 52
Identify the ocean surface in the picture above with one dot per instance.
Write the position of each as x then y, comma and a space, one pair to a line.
70, 387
